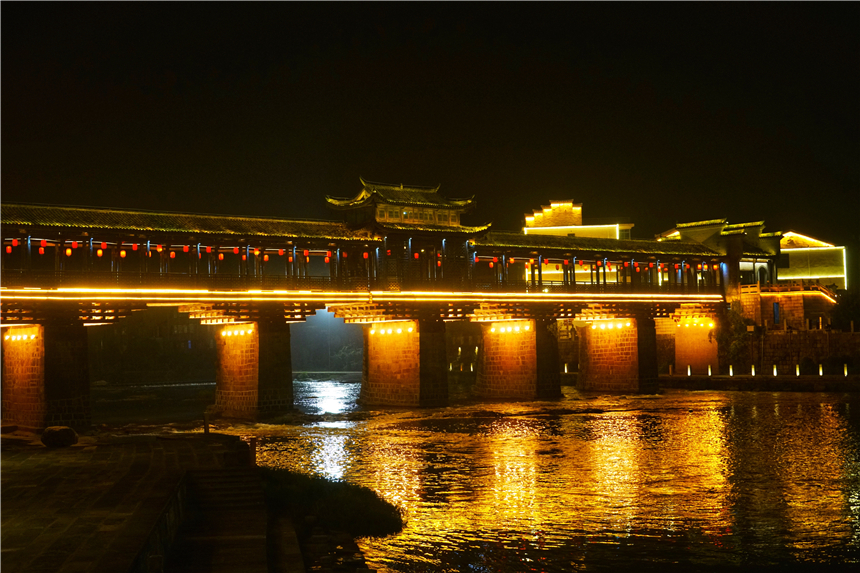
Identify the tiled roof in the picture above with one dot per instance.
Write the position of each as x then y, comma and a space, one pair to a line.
743, 225
399, 195
433, 228
701, 223
127, 220
516, 240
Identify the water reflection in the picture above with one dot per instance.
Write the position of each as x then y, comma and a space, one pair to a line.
683, 481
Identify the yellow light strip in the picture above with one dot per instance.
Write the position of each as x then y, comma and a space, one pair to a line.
793, 249
798, 293
793, 234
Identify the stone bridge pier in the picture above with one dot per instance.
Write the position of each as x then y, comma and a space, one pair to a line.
254, 378
518, 361
618, 355
405, 364
46, 376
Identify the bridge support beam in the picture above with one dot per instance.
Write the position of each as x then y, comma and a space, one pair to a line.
620, 358
518, 361
696, 348
405, 364
254, 378
46, 377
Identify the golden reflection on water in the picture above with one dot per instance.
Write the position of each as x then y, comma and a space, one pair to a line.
709, 478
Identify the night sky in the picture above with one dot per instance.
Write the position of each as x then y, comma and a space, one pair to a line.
661, 113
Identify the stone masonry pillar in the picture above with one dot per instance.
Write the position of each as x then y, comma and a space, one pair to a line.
46, 376
547, 360
236, 380
618, 355
507, 363
275, 385
404, 364
696, 347
254, 378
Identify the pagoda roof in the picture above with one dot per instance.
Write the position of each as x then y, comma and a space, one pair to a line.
91, 218
631, 246
405, 195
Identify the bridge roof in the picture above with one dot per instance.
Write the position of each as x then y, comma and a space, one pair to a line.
616, 246
414, 195
90, 218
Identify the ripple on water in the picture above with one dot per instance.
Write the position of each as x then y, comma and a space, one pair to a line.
708, 479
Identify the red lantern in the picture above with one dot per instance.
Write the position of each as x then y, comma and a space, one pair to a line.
581, 262
184, 248
328, 254
438, 263
266, 258
172, 254
531, 261
199, 256
344, 254
365, 255
256, 252
305, 252
158, 248
677, 266
699, 267
650, 265
326, 259
44, 243
636, 265
608, 266
557, 267
104, 246
122, 254
716, 267
74, 244
388, 253
280, 252
14, 242
8, 249
637, 269
208, 249
99, 253
244, 257
599, 263
149, 254
235, 250
626, 263
41, 250
416, 255
491, 265
220, 256
133, 247
68, 252
660, 266
512, 260
290, 259
495, 259
566, 262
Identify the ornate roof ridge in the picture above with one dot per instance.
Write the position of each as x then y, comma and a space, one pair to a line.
701, 223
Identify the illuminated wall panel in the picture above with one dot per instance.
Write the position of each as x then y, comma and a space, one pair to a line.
618, 356
696, 347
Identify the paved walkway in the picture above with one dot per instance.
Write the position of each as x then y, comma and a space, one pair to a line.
91, 507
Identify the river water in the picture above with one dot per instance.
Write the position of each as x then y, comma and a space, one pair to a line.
679, 481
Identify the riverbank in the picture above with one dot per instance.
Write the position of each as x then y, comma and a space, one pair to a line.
109, 503
763, 383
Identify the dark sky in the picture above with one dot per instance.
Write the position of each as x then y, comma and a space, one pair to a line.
661, 113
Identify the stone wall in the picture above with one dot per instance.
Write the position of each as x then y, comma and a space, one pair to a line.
808, 349
507, 365
236, 379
